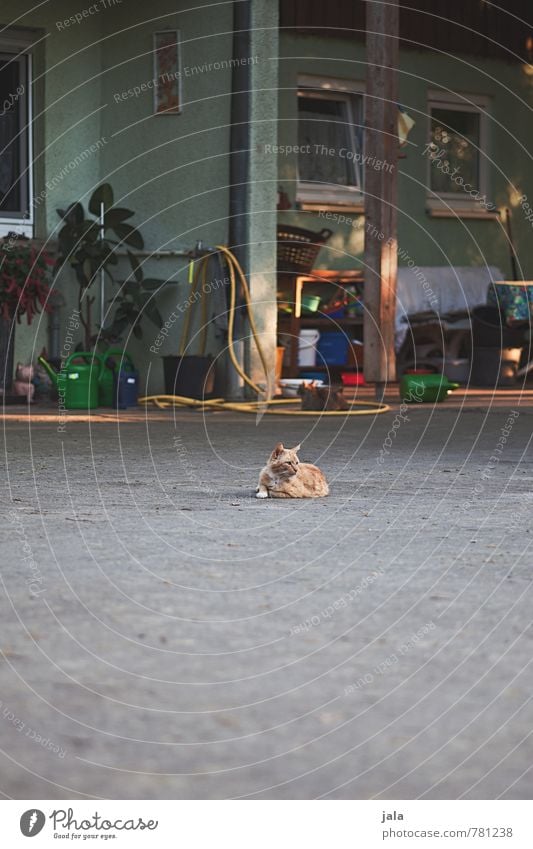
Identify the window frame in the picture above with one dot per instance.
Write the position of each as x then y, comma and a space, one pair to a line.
451, 204
328, 195
22, 222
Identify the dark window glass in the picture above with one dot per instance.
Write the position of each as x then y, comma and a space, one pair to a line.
327, 141
455, 140
13, 137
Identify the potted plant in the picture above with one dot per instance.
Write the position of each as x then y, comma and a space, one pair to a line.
24, 290
24, 276
89, 245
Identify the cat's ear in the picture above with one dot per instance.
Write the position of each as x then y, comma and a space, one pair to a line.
296, 448
279, 449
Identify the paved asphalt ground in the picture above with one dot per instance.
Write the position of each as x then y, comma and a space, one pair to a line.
166, 635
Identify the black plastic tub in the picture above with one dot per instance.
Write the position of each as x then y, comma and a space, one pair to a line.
490, 331
192, 377
495, 366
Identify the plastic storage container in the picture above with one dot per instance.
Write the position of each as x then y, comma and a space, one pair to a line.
307, 347
353, 378
429, 388
490, 331
455, 369
333, 348
126, 390
495, 366
191, 377
117, 364
310, 375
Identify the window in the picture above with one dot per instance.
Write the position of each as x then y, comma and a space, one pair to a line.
15, 144
329, 141
456, 153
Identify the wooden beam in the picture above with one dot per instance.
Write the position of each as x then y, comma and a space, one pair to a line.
381, 191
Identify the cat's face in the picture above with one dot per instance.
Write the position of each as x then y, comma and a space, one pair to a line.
284, 461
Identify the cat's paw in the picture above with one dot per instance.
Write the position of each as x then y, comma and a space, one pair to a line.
260, 494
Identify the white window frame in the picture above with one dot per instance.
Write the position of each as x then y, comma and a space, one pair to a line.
23, 223
328, 195
444, 204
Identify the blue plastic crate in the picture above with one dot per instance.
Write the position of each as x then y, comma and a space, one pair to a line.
312, 375
332, 348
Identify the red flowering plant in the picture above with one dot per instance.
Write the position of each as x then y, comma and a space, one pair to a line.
24, 275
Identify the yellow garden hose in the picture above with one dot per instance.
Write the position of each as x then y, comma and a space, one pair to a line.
234, 265
370, 408
268, 404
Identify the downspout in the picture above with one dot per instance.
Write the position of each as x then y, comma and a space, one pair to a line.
54, 326
239, 163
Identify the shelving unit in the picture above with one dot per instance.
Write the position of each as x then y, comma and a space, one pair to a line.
293, 323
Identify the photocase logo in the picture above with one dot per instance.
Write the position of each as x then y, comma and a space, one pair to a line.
32, 822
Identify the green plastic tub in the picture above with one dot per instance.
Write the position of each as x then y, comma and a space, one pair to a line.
426, 388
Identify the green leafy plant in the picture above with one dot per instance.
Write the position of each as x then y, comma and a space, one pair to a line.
88, 248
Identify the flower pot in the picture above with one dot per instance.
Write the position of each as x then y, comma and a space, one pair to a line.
7, 344
495, 366
190, 377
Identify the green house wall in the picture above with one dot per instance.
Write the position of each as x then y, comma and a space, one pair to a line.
429, 241
174, 170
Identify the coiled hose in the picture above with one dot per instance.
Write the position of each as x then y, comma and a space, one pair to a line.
265, 404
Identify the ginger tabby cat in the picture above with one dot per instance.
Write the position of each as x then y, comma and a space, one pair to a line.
285, 477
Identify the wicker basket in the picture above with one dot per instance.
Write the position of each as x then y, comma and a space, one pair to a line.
298, 248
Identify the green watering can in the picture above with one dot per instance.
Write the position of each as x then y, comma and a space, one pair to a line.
429, 388
78, 382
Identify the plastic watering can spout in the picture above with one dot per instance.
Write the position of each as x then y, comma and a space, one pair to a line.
49, 370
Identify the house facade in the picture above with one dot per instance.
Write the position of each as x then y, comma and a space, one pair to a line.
470, 93
86, 78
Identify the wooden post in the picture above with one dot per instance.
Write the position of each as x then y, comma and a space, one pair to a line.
381, 191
